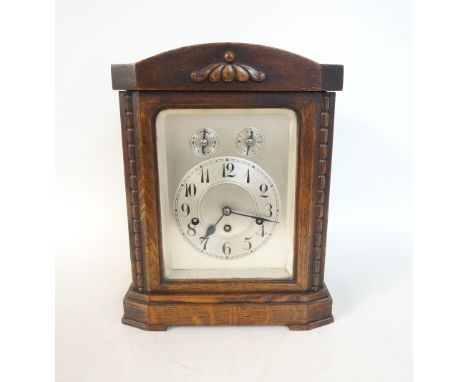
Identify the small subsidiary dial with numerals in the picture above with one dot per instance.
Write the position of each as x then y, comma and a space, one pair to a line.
249, 142
227, 207
204, 142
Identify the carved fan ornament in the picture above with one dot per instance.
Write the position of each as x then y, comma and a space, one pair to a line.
228, 71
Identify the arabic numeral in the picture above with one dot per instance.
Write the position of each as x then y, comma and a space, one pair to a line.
190, 190
261, 231
263, 189
205, 176
228, 170
185, 208
269, 213
227, 248
247, 243
247, 174
191, 230
204, 241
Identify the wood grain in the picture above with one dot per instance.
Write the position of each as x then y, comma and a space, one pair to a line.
193, 310
129, 152
269, 69
322, 188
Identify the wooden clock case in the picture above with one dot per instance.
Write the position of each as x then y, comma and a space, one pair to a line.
227, 75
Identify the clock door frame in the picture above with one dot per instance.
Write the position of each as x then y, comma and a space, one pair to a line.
314, 111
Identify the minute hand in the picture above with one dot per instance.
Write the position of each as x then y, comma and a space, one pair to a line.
253, 217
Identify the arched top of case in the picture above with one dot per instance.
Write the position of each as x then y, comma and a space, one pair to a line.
227, 67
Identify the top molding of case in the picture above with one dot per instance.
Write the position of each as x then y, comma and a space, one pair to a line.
227, 67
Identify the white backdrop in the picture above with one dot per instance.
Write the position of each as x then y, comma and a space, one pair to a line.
368, 269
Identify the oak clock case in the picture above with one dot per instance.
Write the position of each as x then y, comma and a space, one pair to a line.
227, 154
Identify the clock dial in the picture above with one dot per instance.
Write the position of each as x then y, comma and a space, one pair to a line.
227, 207
204, 142
249, 142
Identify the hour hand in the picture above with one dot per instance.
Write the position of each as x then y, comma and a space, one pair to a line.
209, 231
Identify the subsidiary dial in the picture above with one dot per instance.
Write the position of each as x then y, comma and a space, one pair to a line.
204, 142
249, 142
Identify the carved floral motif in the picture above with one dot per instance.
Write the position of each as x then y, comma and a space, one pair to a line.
228, 71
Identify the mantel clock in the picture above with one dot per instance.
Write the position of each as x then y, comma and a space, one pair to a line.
227, 151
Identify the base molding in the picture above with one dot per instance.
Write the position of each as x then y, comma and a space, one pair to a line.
143, 326
311, 325
297, 310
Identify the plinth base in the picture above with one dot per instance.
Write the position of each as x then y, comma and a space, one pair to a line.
299, 311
